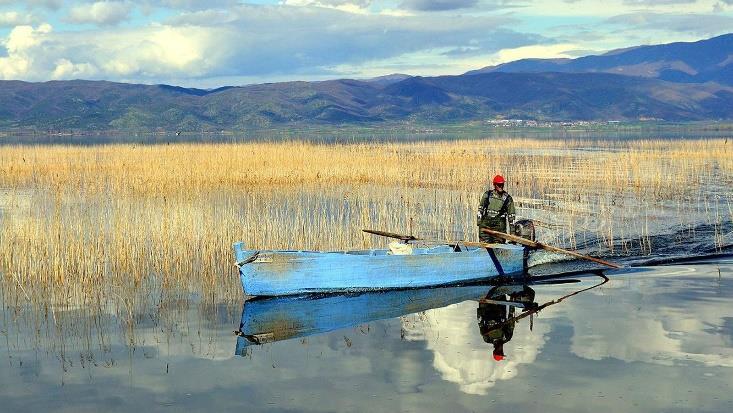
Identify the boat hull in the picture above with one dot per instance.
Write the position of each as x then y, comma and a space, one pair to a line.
275, 273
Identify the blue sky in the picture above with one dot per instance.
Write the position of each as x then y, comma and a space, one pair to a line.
230, 42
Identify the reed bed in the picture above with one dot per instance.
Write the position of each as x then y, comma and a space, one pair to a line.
659, 166
105, 225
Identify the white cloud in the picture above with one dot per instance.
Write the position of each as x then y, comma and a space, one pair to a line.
653, 330
462, 357
49, 4
162, 49
66, 69
348, 6
538, 51
101, 13
14, 18
24, 37
19, 42
157, 51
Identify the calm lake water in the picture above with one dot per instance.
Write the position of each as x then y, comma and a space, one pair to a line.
380, 133
649, 339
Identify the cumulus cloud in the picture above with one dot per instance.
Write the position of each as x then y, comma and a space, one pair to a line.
551, 51
40, 53
693, 329
457, 360
19, 42
49, 4
101, 13
350, 6
65, 69
13, 18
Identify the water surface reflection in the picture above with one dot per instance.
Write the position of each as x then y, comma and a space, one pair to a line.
655, 339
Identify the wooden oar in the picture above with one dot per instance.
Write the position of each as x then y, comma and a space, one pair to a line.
408, 238
392, 235
539, 245
513, 238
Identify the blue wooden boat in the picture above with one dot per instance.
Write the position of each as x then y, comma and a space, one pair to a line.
275, 273
269, 319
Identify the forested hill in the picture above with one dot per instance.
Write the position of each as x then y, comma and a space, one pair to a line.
579, 89
709, 60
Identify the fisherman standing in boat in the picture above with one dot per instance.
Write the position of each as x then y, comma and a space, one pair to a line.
496, 211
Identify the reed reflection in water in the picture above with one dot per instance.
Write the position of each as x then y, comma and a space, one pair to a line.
650, 339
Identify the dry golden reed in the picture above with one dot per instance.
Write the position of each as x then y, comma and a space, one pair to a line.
83, 224
188, 168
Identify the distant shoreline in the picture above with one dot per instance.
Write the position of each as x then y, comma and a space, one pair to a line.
474, 128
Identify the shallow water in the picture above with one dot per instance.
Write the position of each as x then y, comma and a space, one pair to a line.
650, 339
374, 133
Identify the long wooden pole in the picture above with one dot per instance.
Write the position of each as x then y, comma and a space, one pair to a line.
392, 235
508, 237
408, 238
539, 245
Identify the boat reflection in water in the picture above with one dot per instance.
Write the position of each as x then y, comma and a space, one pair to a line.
266, 320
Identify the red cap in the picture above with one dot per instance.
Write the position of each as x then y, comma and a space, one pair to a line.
498, 357
498, 179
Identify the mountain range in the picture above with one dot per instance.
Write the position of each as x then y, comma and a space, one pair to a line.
675, 82
708, 60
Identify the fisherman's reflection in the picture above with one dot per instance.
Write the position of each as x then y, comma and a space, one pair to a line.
496, 314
